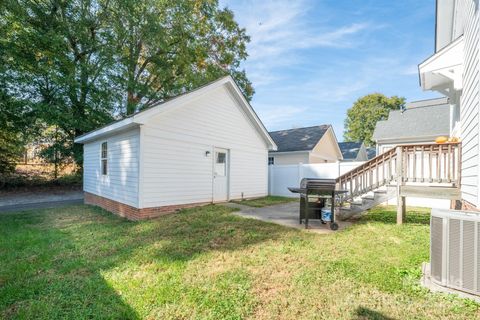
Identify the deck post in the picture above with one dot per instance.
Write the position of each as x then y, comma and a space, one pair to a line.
401, 201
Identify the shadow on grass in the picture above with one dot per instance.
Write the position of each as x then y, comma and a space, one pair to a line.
45, 274
53, 260
363, 313
388, 214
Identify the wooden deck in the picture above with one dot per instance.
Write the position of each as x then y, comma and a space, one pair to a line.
420, 170
435, 192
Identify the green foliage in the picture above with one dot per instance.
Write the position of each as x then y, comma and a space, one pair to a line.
77, 65
364, 114
168, 47
21, 181
58, 152
59, 63
9, 151
13, 118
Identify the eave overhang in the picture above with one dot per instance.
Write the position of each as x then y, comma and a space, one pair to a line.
443, 71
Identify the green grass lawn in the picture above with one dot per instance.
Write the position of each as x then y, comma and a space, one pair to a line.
266, 201
81, 262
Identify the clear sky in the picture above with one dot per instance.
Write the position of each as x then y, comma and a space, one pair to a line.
309, 60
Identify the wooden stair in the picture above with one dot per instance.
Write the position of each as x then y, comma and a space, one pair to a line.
354, 208
426, 170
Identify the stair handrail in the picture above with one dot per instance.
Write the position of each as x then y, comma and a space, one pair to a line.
351, 176
362, 179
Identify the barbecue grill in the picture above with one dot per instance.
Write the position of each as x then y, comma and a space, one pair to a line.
317, 195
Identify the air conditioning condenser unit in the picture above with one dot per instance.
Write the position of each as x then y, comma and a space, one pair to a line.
455, 250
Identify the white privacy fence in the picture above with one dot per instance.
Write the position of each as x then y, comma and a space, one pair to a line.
280, 177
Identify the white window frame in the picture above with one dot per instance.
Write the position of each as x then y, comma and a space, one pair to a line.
272, 162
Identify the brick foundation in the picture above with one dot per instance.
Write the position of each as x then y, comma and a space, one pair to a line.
132, 213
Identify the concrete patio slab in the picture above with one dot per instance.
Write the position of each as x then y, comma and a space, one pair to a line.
428, 283
286, 215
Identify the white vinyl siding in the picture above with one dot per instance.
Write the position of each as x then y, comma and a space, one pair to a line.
176, 168
470, 103
326, 150
121, 182
290, 158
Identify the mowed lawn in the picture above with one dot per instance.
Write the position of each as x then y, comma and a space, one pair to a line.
81, 262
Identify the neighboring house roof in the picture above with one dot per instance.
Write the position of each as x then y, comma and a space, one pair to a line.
371, 152
350, 149
427, 103
421, 119
300, 139
143, 116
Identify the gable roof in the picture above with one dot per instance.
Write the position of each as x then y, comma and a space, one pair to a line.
300, 139
143, 116
350, 149
421, 119
371, 152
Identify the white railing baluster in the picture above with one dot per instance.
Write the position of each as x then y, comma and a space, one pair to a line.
378, 171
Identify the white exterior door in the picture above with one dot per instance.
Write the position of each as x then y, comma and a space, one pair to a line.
220, 175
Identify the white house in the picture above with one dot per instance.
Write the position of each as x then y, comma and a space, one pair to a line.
420, 122
453, 70
317, 144
201, 147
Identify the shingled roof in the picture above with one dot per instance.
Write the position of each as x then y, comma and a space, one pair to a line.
300, 139
428, 118
371, 152
350, 149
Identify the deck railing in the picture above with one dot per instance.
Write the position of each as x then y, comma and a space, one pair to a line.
432, 164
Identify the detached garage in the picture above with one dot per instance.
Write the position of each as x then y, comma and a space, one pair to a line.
202, 147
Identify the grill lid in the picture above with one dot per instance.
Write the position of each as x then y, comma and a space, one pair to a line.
318, 184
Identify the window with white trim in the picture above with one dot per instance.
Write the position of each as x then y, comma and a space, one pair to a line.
271, 161
104, 158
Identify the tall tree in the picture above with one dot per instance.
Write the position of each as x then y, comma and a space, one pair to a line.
12, 130
167, 47
364, 114
79, 64
14, 113
60, 60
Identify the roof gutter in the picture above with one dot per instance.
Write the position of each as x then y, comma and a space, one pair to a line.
289, 152
119, 126
402, 140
